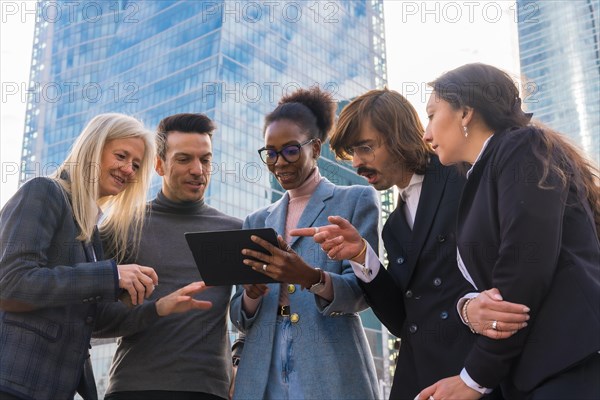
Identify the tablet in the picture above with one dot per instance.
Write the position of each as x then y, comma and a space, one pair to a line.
218, 255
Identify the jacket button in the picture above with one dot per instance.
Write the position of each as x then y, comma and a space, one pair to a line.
98, 298
294, 318
85, 300
437, 282
413, 328
441, 238
89, 320
408, 294
444, 315
291, 289
400, 260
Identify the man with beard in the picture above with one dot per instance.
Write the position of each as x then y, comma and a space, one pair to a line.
416, 296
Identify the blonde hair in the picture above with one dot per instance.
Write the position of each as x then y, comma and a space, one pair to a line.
124, 212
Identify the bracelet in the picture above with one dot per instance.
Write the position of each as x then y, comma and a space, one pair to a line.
317, 285
364, 249
466, 317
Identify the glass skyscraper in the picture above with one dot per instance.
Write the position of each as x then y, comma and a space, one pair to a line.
560, 65
231, 60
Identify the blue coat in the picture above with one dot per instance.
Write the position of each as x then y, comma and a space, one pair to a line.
333, 357
44, 353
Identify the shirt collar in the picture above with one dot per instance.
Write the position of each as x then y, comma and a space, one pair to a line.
414, 180
479, 155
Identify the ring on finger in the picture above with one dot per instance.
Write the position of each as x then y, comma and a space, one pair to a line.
495, 325
316, 230
265, 267
430, 398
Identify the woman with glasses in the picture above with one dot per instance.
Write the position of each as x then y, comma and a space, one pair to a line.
304, 338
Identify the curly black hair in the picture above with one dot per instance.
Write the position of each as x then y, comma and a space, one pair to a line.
312, 109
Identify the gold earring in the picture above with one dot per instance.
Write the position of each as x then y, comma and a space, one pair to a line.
466, 131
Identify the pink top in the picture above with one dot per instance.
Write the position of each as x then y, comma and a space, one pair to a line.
299, 198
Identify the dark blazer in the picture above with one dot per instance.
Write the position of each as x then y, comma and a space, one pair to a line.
44, 352
416, 296
540, 248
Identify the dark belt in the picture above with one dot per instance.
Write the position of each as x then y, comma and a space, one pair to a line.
284, 311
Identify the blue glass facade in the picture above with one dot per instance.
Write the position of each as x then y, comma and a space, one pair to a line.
232, 60
560, 64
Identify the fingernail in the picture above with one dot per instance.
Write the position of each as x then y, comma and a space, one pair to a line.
247, 262
524, 324
498, 297
526, 309
244, 252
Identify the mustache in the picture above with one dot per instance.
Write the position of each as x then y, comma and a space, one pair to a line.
365, 170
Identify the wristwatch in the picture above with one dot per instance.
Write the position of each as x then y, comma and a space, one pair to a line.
319, 286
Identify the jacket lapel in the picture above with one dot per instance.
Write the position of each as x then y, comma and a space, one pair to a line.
467, 197
97, 245
474, 178
431, 194
396, 228
93, 249
315, 206
277, 214
396, 235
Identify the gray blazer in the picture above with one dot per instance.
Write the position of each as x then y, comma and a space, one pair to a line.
333, 357
44, 352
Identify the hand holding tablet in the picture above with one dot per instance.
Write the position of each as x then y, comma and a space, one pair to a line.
219, 258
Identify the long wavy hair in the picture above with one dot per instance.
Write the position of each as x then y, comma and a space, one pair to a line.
493, 94
394, 118
124, 212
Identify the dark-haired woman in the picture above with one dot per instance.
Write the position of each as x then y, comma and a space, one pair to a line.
304, 338
527, 225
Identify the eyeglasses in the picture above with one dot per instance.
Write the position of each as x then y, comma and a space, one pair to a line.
363, 151
290, 153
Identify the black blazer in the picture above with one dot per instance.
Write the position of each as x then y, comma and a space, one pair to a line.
540, 248
415, 298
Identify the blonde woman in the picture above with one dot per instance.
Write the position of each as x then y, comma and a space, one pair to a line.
52, 268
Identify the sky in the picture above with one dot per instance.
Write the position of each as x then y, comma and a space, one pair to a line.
423, 39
